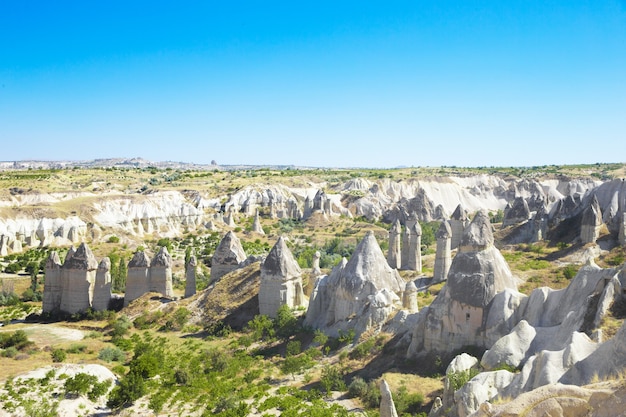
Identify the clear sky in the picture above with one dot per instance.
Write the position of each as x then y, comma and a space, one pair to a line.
324, 83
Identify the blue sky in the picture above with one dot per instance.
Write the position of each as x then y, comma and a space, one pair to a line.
335, 84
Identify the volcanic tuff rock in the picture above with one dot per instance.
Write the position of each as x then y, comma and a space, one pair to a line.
519, 213
591, 222
281, 281
102, 286
138, 278
360, 294
394, 253
443, 257
387, 407
190, 276
227, 257
476, 274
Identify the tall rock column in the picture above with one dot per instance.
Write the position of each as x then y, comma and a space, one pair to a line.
190, 277
53, 286
161, 273
458, 222
317, 271
415, 248
227, 257
387, 407
256, 224
407, 239
622, 230
394, 254
138, 278
281, 281
102, 286
443, 257
409, 297
78, 277
591, 222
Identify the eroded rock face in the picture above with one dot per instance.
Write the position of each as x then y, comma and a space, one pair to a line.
78, 277
256, 224
228, 255
53, 286
458, 222
387, 407
161, 273
281, 281
477, 274
443, 256
102, 286
138, 278
190, 276
394, 255
591, 222
360, 294
519, 213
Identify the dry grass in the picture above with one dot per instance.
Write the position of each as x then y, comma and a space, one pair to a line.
430, 388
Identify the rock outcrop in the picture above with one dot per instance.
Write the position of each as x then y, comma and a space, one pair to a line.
102, 286
387, 407
443, 256
591, 222
458, 222
138, 277
149, 276
78, 275
190, 276
478, 272
409, 297
394, 255
161, 273
360, 293
227, 257
53, 284
281, 281
518, 213
256, 224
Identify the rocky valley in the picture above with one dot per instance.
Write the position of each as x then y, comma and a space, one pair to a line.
136, 288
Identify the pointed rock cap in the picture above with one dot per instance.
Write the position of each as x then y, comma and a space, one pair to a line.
478, 235
410, 286
69, 254
387, 407
280, 261
139, 260
592, 215
444, 231
368, 264
83, 259
193, 262
416, 229
396, 228
459, 213
162, 258
105, 264
229, 251
53, 261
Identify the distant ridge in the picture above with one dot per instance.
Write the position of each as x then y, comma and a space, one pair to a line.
130, 163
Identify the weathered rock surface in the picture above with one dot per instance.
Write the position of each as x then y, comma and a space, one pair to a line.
190, 276
161, 273
387, 407
78, 277
102, 286
394, 254
138, 278
360, 294
281, 281
519, 213
443, 256
228, 255
591, 222
53, 285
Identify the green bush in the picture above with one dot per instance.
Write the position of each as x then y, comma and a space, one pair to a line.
79, 384
357, 388
570, 271
17, 339
58, 355
112, 354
